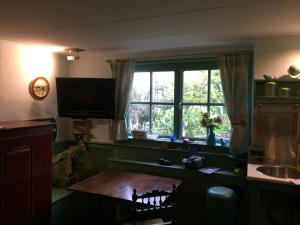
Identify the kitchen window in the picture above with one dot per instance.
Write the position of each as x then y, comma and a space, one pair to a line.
169, 98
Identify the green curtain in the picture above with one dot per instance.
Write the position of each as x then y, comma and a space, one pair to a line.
122, 72
234, 69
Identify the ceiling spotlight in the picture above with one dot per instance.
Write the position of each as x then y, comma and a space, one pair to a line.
73, 53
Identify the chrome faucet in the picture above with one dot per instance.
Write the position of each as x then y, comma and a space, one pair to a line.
295, 154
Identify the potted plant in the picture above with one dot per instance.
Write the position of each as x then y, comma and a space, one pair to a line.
210, 123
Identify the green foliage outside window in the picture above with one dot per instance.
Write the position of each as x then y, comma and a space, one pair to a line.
163, 120
191, 121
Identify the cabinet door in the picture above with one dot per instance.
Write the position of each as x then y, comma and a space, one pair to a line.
25, 181
41, 184
1, 188
17, 185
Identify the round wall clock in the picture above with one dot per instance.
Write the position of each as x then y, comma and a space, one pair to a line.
39, 88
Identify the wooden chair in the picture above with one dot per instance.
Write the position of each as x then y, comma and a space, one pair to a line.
156, 207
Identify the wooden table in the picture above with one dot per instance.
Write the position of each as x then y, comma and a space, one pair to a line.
113, 186
120, 184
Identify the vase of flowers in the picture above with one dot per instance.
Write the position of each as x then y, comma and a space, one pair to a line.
211, 137
210, 123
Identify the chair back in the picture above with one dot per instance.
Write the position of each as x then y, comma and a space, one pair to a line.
155, 204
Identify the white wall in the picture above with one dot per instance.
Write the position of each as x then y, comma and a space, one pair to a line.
18, 66
95, 65
274, 55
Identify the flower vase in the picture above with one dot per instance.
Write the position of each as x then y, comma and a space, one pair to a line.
211, 137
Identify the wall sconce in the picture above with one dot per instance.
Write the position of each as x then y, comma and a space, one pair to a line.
294, 72
39, 88
73, 53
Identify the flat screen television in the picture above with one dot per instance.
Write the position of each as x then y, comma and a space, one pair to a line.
86, 97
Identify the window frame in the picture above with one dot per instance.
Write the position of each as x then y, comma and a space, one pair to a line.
178, 66
151, 102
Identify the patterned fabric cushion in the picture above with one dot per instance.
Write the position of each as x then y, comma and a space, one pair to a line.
82, 164
71, 166
62, 169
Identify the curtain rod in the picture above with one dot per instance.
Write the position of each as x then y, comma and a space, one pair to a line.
166, 57
186, 56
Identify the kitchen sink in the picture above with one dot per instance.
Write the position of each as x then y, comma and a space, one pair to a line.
279, 171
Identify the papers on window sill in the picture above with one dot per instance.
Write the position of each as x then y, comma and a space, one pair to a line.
209, 170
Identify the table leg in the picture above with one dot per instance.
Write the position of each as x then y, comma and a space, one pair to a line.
108, 209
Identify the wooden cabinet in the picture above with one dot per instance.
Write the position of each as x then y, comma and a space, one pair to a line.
25, 173
273, 203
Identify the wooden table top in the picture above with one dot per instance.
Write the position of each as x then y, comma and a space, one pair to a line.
120, 184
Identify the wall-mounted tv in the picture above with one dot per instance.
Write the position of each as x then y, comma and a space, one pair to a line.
86, 97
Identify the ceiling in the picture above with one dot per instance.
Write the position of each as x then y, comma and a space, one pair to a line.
97, 25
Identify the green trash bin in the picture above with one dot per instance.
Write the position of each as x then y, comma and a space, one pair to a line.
221, 206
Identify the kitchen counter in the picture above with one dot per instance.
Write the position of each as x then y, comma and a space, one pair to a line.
253, 174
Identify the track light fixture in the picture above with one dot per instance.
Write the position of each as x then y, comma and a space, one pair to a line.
294, 71
73, 53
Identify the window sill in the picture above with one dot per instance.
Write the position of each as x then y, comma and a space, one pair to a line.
180, 141
174, 167
165, 143
197, 141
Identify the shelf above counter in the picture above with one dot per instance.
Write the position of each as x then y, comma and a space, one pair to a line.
293, 85
277, 99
